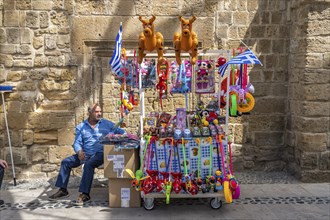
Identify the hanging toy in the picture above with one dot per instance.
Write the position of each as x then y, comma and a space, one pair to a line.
162, 71
149, 40
186, 40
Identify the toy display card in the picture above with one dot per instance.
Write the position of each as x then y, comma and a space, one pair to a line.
205, 82
191, 150
148, 71
181, 77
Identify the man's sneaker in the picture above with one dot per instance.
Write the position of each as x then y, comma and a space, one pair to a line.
83, 199
59, 195
1, 202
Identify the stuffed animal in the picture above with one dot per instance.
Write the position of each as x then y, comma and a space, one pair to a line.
186, 40
149, 40
204, 68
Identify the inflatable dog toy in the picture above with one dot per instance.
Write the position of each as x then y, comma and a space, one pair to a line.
186, 41
149, 40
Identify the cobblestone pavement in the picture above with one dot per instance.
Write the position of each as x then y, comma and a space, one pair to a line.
263, 196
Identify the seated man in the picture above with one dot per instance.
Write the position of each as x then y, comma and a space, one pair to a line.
89, 151
3, 166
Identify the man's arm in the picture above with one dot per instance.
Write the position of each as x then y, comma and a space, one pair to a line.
78, 142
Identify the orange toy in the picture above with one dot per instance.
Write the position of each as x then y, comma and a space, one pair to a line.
149, 40
186, 41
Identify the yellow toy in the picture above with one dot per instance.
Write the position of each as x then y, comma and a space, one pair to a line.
149, 40
186, 41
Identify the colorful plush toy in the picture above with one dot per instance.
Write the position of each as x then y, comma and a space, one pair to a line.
186, 40
149, 40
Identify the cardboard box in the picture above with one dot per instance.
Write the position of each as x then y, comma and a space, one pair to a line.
122, 195
117, 160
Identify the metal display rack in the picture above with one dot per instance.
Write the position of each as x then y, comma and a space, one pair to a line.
216, 197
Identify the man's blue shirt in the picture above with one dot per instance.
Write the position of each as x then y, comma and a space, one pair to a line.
87, 138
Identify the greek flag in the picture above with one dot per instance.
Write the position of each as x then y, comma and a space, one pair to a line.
247, 57
115, 59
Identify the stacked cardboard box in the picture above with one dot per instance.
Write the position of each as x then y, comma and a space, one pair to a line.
121, 194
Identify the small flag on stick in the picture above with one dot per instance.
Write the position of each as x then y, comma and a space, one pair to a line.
248, 57
115, 59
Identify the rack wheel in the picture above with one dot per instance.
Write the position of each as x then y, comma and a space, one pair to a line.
216, 203
148, 203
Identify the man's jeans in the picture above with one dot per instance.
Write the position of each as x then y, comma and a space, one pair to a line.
90, 163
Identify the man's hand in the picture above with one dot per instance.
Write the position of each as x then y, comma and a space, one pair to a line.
3, 163
81, 155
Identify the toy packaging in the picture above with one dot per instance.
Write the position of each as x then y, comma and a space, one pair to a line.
204, 76
181, 76
148, 71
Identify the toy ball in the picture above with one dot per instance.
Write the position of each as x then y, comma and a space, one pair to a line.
148, 186
176, 187
221, 61
218, 173
193, 189
159, 185
233, 183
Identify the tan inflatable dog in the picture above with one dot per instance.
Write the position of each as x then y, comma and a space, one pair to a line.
149, 40
186, 41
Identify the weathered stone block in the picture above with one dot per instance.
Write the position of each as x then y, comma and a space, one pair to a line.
270, 105
11, 18
269, 138
56, 61
38, 42
28, 106
8, 49
27, 137
38, 74
309, 161
63, 41
258, 31
325, 161
19, 155
38, 120
40, 61
58, 153
225, 18
42, 5
27, 85
312, 125
39, 153
240, 18
25, 36
23, 63
23, 49
9, 4
49, 167
315, 176
32, 19
66, 136
14, 76
312, 142
46, 137
59, 18
17, 120
326, 61
44, 19
13, 36
164, 8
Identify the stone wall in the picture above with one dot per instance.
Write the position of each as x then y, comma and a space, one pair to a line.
56, 53
308, 125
